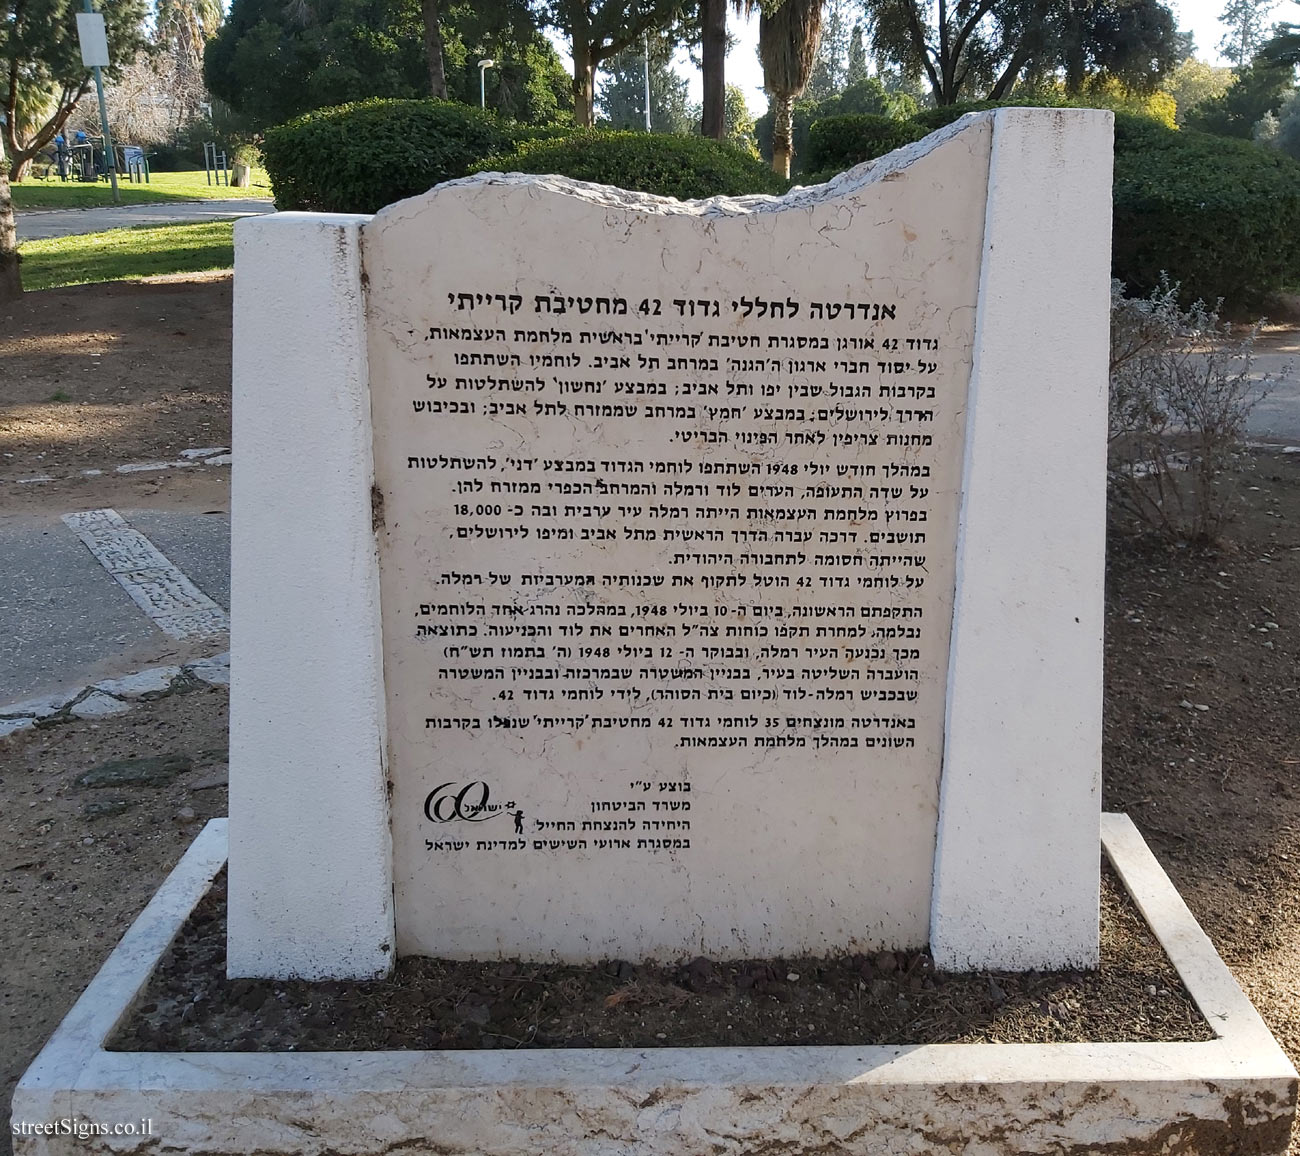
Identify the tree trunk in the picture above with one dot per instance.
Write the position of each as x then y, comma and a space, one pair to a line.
20, 162
11, 282
433, 48
713, 44
782, 134
584, 83
9, 143
1074, 62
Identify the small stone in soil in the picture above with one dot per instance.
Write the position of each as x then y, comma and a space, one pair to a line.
154, 771
102, 808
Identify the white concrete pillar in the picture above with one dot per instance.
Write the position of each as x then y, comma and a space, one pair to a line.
310, 857
1016, 866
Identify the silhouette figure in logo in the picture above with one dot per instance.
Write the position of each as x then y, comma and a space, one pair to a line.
519, 822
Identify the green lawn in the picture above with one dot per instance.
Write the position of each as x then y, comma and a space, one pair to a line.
124, 254
35, 193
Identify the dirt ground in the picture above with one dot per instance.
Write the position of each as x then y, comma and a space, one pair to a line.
1202, 722
888, 998
98, 376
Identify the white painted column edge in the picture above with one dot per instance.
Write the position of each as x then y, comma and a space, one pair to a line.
310, 884
1016, 882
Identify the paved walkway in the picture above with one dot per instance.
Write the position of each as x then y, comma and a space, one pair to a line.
67, 618
1277, 417
36, 224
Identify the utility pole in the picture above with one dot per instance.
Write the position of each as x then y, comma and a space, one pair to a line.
94, 55
647, 80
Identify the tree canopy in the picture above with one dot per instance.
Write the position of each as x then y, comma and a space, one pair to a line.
598, 30
1193, 82
41, 74
1259, 90
1247, 27
273, 61
973, 49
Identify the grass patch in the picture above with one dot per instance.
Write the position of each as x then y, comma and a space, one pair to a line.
125, 254
55, 194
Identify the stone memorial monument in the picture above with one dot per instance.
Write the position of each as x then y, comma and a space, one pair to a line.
621, 578
669, 579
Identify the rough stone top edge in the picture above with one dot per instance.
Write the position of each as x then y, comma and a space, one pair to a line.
609, 196
281, 220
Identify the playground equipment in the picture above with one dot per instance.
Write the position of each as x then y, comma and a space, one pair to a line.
134, 164
215, 164
84, 160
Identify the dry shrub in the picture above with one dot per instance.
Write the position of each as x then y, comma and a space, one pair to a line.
1180, 394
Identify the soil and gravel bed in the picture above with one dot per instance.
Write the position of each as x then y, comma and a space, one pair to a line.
78, 861
889, 998
99, 376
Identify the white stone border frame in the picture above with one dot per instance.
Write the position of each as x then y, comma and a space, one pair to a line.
1004, 1098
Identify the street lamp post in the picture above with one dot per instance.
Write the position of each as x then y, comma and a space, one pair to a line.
647, 82
94, 55
483, 66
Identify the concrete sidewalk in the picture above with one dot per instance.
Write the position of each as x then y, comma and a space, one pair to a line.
1277, 417
37, 224
67, 620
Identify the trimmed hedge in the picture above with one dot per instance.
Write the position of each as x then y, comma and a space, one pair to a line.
686, 167
840, 142
933, 119
357, 158
1219, 216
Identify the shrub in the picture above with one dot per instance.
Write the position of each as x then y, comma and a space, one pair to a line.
933, 119
357, 158
1220, 216
1180, 394
685, 167
840, 142
864, 97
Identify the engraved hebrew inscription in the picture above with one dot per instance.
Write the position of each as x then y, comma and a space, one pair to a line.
667, 564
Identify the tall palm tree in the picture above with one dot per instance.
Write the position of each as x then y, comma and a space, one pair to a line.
788, 36
185, 26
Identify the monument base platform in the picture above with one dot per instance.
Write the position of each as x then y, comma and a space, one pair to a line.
1233, 1094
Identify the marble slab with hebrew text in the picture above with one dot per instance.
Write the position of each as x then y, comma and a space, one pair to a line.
669, 504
